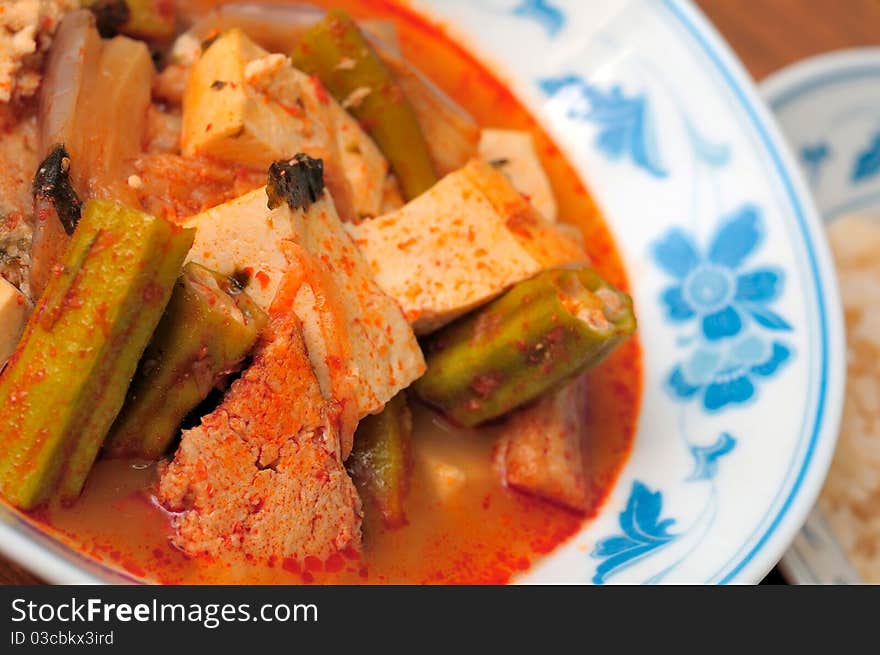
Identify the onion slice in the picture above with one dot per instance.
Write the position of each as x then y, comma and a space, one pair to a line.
74, 54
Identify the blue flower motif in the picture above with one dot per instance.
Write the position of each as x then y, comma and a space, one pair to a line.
543, 12
867, 162
706, 457
625, 125
643, 532
726, 374
713, 288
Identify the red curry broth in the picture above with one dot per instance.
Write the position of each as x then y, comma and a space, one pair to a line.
464, 527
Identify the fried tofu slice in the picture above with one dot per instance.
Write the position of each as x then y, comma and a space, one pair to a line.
541, 449
460, 244
263, 474
372, 351
245, 105
513, 153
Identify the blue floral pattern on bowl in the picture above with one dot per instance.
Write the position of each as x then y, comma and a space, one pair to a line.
626, 129
542, 12
729, 375
642, 532
713, 288
867, 162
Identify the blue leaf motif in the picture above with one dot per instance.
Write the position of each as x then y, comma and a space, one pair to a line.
761, 285
624, 122
643, 532
815, 154
553, 85
680, 386
867, 162
714, 154
767, 318
706, 457
544, 13
780, 355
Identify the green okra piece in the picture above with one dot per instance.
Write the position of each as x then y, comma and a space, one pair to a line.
540, 334
207, 331
380, 461
67, 380
152, 20
337, 53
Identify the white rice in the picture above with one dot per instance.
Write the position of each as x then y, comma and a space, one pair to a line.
850, 499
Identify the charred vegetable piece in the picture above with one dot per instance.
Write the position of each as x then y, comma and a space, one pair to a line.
110, 16
67, 380
57, 210
337, 52
538, 335
298, 182
380, 463
52, 183
153, 20
208, 329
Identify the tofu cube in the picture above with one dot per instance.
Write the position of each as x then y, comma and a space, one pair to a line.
460, 244
245, 105
541, 450
513, 153
244, 235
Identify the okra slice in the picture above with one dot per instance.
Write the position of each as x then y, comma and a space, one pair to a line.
68, 377
380, 462
541, 333
207, 331
152, 20
337, 53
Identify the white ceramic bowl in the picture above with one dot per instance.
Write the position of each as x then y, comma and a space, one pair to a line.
739, 314
829, 110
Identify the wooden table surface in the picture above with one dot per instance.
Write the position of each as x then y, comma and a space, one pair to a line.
767, 35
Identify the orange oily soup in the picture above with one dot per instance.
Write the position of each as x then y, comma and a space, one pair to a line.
463, 525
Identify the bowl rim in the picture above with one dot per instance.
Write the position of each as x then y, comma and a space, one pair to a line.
766, 545
59, 563
789, 85
837, 66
